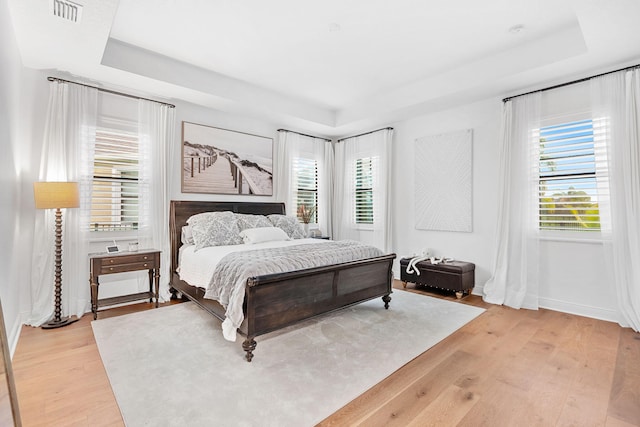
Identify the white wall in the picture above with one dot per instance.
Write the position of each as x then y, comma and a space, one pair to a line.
572, 279
19, 103
477, 246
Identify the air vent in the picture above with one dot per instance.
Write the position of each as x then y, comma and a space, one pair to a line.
66, 10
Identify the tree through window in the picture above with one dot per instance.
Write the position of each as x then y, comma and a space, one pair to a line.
568, 186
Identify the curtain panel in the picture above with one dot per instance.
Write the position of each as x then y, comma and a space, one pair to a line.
616, 102
376, 145
67, 155
156, 130
516, 259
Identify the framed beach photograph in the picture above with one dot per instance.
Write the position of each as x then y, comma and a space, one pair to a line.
222, 161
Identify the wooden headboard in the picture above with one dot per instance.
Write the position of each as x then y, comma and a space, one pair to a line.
181, 210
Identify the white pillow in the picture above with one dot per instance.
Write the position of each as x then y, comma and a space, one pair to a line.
263, 234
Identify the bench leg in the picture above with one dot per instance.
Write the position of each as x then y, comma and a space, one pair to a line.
404, 284
459, 294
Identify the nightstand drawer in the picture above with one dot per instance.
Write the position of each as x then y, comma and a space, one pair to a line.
128, 259
121, 268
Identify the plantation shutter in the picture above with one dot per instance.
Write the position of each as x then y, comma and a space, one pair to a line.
114, 197
364, 190
305, 175
570, 155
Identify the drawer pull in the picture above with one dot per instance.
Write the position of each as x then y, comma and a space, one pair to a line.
146, 265
111, 268
111, 261
146, 257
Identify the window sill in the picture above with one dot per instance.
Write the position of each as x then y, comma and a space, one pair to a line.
595, 239
110, 236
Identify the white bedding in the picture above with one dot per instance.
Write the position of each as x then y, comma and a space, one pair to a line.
197, 267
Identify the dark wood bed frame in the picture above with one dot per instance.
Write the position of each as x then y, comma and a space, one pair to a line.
275, 301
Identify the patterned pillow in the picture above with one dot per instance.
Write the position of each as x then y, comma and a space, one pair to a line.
289, 224
207, 216
246, 221
215, 229
187, 235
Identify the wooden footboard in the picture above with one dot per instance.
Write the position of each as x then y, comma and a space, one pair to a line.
275, 301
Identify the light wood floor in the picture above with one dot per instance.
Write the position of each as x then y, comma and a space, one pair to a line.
506, 368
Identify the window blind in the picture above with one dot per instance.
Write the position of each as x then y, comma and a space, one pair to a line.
364, 169
305, 174
115, 191
570, 154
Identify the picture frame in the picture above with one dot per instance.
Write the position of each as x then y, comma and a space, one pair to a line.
223, 161
443, 197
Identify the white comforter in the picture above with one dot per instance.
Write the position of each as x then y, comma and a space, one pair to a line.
197, 267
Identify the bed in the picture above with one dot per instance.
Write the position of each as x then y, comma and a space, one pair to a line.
275, 301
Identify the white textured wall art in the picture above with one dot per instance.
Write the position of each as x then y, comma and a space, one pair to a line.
443, 186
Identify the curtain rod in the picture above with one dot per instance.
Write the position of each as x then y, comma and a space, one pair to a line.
366, 133
303, 134
572, 82
58, 79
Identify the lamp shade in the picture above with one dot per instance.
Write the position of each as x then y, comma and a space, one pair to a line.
52, 195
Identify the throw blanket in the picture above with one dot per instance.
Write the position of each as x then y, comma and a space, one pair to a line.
232, 272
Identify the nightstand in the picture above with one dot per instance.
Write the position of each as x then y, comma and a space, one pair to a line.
120, 263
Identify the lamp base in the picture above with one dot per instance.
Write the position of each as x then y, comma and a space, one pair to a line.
60, 323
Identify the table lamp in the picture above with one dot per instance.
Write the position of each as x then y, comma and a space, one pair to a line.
57, 195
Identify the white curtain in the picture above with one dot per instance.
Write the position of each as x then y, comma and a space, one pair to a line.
616, 102
515, 274
156, 125
378, 146
67, 155
292, 145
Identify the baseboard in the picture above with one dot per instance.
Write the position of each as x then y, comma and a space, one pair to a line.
580, 309
13, 335
570, 308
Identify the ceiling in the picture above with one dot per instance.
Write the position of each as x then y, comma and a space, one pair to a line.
330, 67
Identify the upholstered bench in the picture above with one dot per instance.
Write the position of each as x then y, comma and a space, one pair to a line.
456, 276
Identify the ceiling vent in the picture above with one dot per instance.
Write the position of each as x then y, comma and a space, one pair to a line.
66, 10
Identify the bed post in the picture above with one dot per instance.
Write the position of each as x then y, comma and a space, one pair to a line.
387, 300
249, 345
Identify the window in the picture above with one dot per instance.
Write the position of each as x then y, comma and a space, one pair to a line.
364, 190
114, 197
305, 173
568, 187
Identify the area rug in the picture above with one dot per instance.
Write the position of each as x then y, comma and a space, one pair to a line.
171, 366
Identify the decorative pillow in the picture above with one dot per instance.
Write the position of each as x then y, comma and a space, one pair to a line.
215, 229
263, 234
187, 235
246, 221
206, 216
289, 224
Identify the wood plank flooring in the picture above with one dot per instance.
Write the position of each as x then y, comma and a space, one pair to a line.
506, 368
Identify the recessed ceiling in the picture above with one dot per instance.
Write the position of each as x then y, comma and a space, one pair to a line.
330, 66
